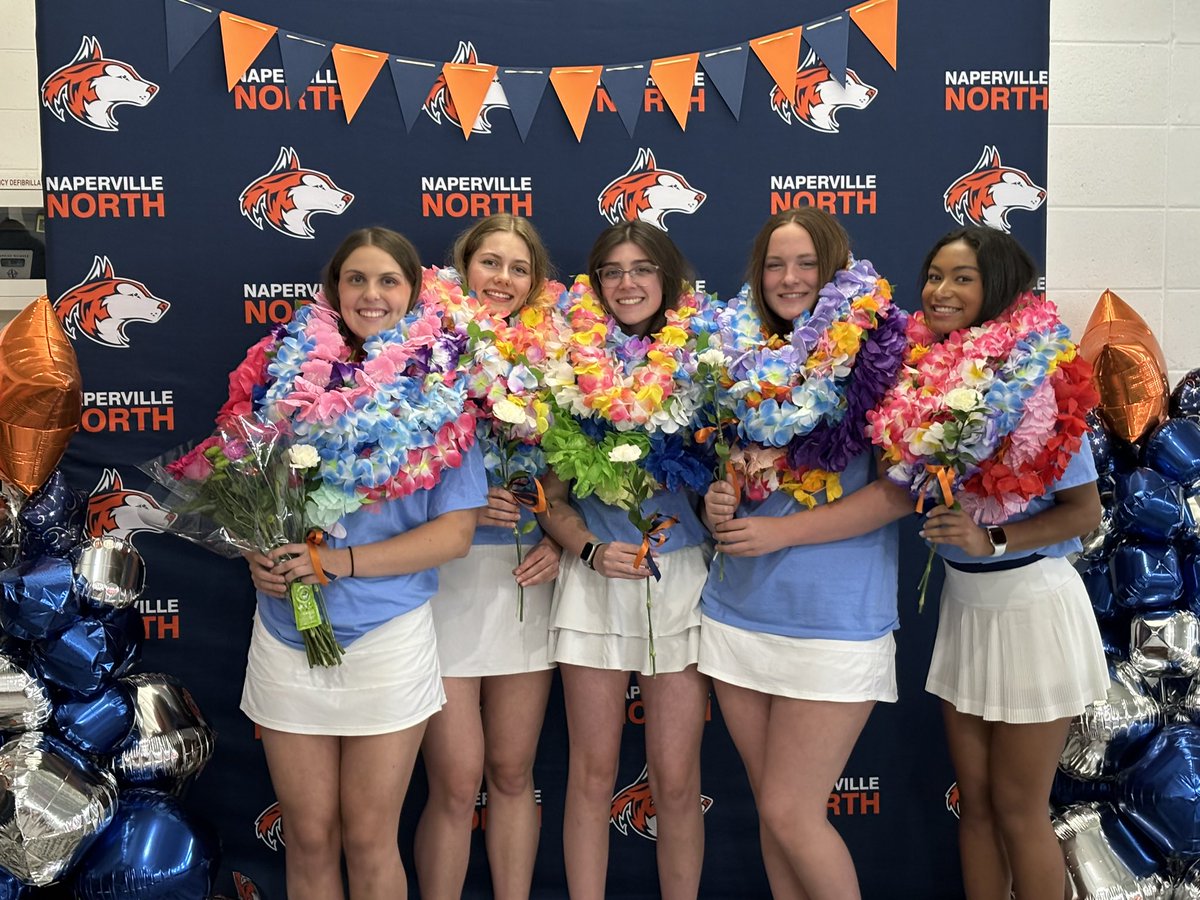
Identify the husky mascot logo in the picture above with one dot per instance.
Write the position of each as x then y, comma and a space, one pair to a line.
952, 799
633, 808
990, 191
287, 196
89, 86
268, 827
648, 193
114, 511
818, 96
440, 104
101, 305
245, 887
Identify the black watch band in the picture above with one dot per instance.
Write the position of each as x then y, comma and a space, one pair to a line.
588, 553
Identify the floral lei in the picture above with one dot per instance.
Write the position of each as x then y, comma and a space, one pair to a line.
385, 425
800, 401
1021, 379
613, 388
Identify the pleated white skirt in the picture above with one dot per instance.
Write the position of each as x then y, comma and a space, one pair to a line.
1019, 645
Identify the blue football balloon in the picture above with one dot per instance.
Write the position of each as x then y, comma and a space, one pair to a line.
153, 850
52, 519
37, 598
1099, 587
98, 723
1145, 576
1149, 505
1133, 849
1160, 791
1173, 450
1185, 398
85, 656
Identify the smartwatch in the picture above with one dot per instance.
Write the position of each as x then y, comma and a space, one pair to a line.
998, 538
588, 553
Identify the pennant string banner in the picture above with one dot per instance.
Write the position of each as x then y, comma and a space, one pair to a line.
243, 39
302, 57
674, 77
356, 72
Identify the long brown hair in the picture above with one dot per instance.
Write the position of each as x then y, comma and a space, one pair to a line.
829, 239
674, 272
468, 243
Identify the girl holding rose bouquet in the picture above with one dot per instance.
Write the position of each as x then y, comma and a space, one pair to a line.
988, 420
492, 609
366, 382
627, 598
797, 630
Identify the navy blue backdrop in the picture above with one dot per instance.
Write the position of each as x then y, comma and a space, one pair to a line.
166, 261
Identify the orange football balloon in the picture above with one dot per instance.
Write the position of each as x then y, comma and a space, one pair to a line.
39, 395
1131, 372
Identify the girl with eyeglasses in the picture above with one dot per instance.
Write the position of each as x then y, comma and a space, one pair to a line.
602, 613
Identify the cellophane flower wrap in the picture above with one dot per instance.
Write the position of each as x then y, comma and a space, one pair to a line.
383, 421
988, 417
800, 400
505, 361
624, 409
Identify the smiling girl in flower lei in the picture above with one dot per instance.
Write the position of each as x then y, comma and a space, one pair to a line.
373, 387
993, 390
624, 389
799, 656
492, 611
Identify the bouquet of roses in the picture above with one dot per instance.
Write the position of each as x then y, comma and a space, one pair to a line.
987, 418
245, 488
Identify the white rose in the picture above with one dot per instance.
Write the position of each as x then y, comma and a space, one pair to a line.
963, 399
303, 456
625, 453
507, 411
711, 357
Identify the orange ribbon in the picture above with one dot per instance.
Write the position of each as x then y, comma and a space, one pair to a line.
702, 435
945, 479
656, 536
315, 539
528, 492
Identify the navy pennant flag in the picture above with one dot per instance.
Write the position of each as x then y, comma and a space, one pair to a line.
186, 22
413, 78
726, 69
302, 57
828, 39
523, 88
626, 86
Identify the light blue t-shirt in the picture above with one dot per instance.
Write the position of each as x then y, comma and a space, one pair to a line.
840, 590
610, 523
492, 535
357, 605
1080, 470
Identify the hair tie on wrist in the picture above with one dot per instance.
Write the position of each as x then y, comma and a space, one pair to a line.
351, 549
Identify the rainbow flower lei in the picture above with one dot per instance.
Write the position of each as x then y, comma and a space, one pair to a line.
800, 401
385, 425
998, 408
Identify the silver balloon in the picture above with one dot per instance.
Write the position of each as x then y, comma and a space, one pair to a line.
1095, 869
111, 570
60, 802
24, 701
1105, 730
1189, 706
1165, 643
1188, 887
170, 741
1096, 544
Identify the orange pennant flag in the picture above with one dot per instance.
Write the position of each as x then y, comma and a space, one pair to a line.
356, 70
877, 20
242, 40
468, 85
576, 87
674, 76
779, 53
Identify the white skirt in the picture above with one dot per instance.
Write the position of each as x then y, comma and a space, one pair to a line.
601, 622
799, 668
475, 616
389, 680
1019, 645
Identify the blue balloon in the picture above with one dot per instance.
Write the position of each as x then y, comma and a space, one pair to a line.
37, 598
1173, 450
52, 519
96, 724
153, 850
1134, 850
10, 887
1160, 792
1145, 576
1101, 441
1189, 569
85, 656
1099, 587
1149, 505
1067, 791
1185, 398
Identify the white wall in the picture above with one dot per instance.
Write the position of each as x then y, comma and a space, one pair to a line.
1124, 167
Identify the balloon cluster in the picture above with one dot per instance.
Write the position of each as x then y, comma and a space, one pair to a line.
1128, 788
92, 758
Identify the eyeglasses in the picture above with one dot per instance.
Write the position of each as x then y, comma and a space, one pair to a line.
640, 273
